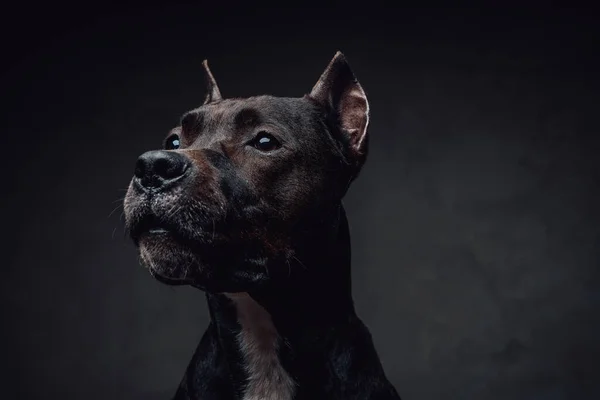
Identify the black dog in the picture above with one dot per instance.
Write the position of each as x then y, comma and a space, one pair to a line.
245, 204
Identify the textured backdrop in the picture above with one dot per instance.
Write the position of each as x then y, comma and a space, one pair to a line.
475, 223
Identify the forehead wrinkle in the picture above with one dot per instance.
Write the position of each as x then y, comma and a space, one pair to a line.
191, 119
285, 116
247, 118
214, 118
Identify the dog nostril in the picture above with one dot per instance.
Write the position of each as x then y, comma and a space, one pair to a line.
170, 168
158, 169
162, 168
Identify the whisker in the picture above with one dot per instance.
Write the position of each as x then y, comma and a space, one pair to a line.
301, 263
173, 210
187, 267
114, 209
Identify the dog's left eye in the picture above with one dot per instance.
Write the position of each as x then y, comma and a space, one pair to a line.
265, 142
172, 142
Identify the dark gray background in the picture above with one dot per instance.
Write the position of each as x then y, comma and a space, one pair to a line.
474, 223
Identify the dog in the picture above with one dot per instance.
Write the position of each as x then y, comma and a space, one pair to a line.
245, 203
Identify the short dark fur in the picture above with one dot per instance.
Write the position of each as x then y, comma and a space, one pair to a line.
223, 216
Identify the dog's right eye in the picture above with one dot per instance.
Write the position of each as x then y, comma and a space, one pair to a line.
172, 142
265, 142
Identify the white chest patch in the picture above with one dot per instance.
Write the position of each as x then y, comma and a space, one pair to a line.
259, 341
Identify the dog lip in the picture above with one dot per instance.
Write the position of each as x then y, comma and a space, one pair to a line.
166, 280
158, 230
149, 224
152, 226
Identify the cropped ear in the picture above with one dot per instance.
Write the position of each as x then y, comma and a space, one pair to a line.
340, 93
212, 90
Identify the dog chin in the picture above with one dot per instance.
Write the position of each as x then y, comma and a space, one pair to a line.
172, 263
167, 261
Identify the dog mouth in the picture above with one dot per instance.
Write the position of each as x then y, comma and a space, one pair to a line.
152, 225
159, 276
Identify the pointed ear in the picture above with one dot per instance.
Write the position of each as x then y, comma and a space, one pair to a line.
339, 91
212, 90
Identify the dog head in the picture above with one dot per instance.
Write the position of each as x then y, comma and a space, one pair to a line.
240, 182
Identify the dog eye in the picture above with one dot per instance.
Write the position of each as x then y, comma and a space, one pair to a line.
172, 142
265, 142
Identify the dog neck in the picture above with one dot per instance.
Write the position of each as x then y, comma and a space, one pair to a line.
258, 343
275, 340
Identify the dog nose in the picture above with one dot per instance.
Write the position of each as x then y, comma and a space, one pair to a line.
160, 168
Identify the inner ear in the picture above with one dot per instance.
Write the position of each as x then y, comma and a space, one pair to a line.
341, 94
